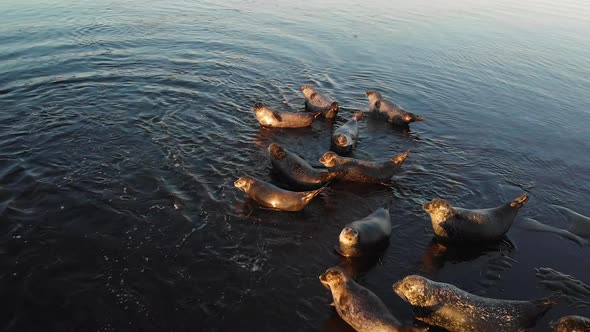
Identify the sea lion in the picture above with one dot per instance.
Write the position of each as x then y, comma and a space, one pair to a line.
458, 224
449, 307
358, 306
296, 169
270, 118
571, 324
357, 170
315, 102
271, 196
392, 112
344, 137
366, 235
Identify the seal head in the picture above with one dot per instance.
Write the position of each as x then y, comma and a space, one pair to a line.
329, 159
439, 210
276, 151
243, 183
349, 241
333, 277
415, 290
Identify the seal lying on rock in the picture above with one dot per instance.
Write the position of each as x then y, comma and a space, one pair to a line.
458, 224
572, 324
357, 170
270, 118
296, 169
344, 137
271, 196
390, 111
449, 307
358, 306
366, 235
315, 102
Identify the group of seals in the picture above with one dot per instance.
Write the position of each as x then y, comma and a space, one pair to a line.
434, 303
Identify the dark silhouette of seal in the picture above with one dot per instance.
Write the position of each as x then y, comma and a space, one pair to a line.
296, 169
315, 102
365, 236
358, 306
271, 196
571, 324
390, 111
344, 137
466, 225
356, 170
270, 118
580, 224
449, 307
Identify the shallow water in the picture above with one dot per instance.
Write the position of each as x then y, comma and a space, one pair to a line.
123, 125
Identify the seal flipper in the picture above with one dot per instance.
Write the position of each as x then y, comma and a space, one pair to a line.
277, 116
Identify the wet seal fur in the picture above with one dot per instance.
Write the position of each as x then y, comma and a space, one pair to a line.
358, 306
465, 225
365, 236
345, 137
296, 169
449, 307
356, 170
315, 102
267, 117
271, 196
571, 324
392, 112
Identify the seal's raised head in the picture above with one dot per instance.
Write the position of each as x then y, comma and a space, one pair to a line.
439, 210
334, 277
342, 140
243, 183
332, 111
415, 290
349, 241
400, 158
276, 151
258, 106
410, 117
374, 95
329, 159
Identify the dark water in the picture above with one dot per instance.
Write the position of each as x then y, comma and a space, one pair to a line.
123, 125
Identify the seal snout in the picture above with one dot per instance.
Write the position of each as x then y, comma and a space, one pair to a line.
349, 236
342, 140
257, 106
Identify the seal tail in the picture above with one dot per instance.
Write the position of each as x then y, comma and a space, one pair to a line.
519, 201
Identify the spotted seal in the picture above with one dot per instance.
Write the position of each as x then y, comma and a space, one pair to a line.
271, 196
449, 307
296, 169
459, 224
571, 324
315, 102
365, 236
268, 117
356, 170
358, 306
344, 137
392, 112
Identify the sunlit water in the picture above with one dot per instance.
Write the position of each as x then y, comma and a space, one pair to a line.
123, 125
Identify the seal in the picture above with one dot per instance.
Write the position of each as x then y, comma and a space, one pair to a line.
358, 306
390, 111
344, 137
449, 307
273, 197
571, 324
296, 169
580, 224
315, 102
270, 118
356, 170
465, 225
535, 226
366, 235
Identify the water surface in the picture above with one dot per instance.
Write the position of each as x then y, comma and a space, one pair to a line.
123, 125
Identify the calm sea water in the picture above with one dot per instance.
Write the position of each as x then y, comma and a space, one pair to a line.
123, 125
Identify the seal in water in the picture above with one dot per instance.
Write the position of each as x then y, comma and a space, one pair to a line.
449, 307
344, 137
296, 169
535, 226
366, 235
315, 102
390, 111
356, 170
358, 306
580, 224
273, 197
571, 324
270, 118
458, 224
